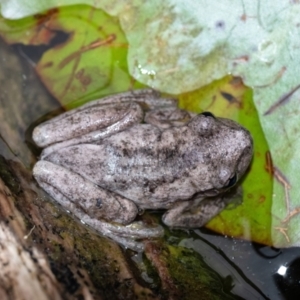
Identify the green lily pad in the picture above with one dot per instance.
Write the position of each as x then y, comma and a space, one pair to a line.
91, 63
252, 219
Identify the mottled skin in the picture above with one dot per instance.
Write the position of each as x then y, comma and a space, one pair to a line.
173, 161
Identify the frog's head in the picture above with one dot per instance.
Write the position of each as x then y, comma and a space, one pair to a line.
226, 146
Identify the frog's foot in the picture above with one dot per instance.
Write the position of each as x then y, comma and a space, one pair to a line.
197, 212
130, 236
94, 206
166, 117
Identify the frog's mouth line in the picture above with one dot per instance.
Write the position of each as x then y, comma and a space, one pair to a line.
210, 193
215, 192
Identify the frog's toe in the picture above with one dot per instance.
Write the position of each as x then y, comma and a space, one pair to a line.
130, 236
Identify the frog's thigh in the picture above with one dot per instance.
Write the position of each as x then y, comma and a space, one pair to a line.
93, 205
148, 99
193, 213
80, 196
79, 122
88, 125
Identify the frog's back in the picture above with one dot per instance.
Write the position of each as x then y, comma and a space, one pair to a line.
155, 167
143, 163
148, 164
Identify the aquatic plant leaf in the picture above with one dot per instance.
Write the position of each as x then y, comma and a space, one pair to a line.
91, 62
249, 217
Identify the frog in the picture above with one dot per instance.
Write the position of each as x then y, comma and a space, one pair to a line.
111, 159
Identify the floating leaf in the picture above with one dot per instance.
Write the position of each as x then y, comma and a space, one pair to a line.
91, 62
28, 31
251, 220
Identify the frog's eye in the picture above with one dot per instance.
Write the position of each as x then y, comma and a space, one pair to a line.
232, 181
208, 114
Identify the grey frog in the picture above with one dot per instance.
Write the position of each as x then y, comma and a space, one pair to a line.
111, 157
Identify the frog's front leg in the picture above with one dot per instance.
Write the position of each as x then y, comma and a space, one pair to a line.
86, 125
197, 212
94, 205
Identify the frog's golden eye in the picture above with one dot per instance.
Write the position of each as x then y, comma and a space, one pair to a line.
208, 114
232, 181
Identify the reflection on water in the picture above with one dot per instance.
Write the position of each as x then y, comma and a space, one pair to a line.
287, 277
257, 271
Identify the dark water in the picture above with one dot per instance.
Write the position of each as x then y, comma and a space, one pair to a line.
274, 273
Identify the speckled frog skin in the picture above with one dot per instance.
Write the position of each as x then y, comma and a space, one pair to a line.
109, 158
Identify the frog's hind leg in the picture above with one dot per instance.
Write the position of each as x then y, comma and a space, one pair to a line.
97, 119
103, 210
148, 99
197, 212
74, 192
86, 126
94, 117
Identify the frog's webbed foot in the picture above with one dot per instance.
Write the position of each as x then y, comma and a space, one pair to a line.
197, 212
93, 205
130, 236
